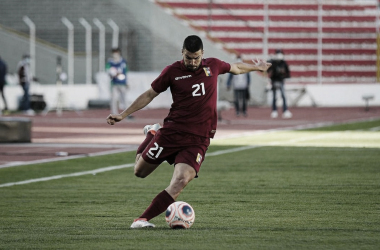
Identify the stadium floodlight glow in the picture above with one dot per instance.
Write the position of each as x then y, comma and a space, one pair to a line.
115, 33
102, 44
88, 28
32, 44
70, 50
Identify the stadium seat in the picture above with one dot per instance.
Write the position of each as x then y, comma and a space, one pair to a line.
349, 33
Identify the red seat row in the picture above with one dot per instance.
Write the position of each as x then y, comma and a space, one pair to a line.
282, 40
334, 74
279, 18
254, 6
302, 51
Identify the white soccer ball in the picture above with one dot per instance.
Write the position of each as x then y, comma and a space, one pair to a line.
180, 215
112, 71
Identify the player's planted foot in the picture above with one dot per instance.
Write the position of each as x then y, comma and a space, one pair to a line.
151, 128
141, 223
274, 114
287, 114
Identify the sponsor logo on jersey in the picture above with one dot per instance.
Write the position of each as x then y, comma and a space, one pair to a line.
199, 159
207, 71
182, 77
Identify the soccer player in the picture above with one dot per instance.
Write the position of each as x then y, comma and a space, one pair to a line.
185, 136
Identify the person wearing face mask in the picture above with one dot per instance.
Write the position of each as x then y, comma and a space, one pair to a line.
25, 78
278, 72
240, 84
117, 70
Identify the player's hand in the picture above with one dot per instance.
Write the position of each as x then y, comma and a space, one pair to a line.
261, 64
112, 119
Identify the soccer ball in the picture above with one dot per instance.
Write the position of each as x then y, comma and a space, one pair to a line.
180, 215
112, 71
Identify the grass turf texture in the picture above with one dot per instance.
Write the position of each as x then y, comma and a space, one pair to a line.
373, 125
356, 135
268, 197
260, 198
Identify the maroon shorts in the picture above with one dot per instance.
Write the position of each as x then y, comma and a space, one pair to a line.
176, 147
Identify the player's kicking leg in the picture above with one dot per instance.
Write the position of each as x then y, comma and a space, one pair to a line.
183, 174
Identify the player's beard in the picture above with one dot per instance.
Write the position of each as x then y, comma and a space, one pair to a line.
192, 67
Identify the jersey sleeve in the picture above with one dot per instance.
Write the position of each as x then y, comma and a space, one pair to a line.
162, 82
223, 66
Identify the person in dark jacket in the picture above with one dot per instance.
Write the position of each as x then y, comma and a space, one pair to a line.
240, 84
278, 72
3, 73
25, 79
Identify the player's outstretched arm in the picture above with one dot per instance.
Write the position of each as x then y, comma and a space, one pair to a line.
141, 101
242, 68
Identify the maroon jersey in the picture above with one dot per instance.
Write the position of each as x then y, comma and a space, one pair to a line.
194, 96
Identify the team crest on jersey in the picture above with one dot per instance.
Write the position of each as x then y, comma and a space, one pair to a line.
207, 71
199, 159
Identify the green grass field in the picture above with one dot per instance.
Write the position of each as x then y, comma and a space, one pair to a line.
270, 195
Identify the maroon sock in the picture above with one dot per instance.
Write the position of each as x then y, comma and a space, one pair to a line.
159, 205
148, 138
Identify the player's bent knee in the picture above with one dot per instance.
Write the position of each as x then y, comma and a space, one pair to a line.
140, 174
143, 168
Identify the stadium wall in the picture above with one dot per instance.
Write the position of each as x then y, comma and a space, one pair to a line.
150, 39
77, 96
14, 45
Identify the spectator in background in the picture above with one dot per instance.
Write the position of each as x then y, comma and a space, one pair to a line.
240, 84
117, 69
25, 78
3, 73
278, 72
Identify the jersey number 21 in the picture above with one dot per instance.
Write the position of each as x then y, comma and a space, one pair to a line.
199, 89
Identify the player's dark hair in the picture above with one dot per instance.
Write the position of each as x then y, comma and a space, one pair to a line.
193, 43
116, 50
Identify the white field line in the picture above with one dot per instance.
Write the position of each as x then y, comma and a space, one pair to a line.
55, 177
306, 138
232, 150
221, 152
375, 129
101, 170
22, 163
80, 130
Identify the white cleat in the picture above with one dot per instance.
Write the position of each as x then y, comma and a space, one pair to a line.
287, 115
152, 128
274, 114
141, 224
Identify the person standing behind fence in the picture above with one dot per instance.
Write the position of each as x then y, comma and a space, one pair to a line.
117, 69
3, 73
278, 72
25, 78
240, 84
